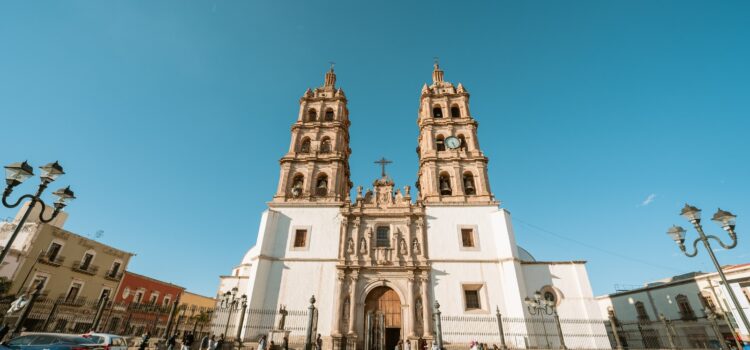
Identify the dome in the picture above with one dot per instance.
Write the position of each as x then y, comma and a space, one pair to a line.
524, 255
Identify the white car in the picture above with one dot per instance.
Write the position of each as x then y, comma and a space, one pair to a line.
110, 341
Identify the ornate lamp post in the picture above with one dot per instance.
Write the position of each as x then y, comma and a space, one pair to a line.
230, 301
542, 306
17, 173
727, 221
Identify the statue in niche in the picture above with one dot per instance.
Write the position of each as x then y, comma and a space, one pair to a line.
282, 320
345, 312
362, 246
418, 311
402, 247
350, 246
415, 246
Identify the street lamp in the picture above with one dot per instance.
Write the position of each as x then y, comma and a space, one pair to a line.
542, 306
17, 173
724, 219
230, 302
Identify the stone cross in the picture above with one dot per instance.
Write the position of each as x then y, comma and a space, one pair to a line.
383, 163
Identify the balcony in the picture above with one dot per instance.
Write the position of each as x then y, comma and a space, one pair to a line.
113, 275
57, 260
88, 269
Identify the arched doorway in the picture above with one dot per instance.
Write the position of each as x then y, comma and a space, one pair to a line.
382, 319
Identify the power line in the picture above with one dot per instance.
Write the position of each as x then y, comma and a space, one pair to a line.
621, 256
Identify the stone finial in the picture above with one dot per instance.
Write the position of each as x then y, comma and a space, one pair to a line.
308, 93
460, 88
425, 89
330, 80
437, 74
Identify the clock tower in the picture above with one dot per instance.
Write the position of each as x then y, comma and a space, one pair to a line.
452, 167
316, 166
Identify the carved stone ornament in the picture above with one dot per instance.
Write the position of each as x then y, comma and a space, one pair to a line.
402, 247
350, 246
415, 246
362, 246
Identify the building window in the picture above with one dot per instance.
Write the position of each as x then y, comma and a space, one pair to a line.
325, 145
300, 238
115, 269
437, 112
305, 147
312, 115
472, 300
640, 310
104, 295
86, 262
138, 296
75, 289
440, 143
707, 302
455, 112
329, 115
445, 185
467, 237
53, 251
383, 237
40, 280
154, 298
469, 188
321, 187
686, 311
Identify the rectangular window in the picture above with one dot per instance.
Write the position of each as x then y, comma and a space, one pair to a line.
54, 250
166, 301
467, 237
153, 299
105, 294
86, 261
383, 237
75, 288
115, 269
300, 238
471, 297
39, 279
138, 297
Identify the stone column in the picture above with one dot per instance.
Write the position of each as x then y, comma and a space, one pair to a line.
412, 319
353, 278
335, 330
427, 331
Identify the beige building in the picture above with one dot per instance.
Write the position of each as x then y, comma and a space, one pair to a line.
70, 267
194, 313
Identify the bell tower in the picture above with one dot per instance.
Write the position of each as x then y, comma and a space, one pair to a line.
316, 167
452, 167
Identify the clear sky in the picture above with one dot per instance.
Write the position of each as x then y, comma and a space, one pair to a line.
600, 118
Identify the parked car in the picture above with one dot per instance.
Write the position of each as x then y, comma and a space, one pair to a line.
51, 341
110, 341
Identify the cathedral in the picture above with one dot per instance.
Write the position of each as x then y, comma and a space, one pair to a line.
378, 262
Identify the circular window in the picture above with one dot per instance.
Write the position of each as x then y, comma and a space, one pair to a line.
551, 294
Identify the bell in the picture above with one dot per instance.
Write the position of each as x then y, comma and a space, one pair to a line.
296, 192
445, 188
322, 185
469, 185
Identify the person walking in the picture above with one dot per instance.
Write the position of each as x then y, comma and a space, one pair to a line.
204, 343
285, 343
212, 342
172, 341
407, 345
189, 340
220, 342
319, 342
262, 343
144, 341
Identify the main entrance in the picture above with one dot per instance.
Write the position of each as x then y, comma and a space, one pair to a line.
382, 319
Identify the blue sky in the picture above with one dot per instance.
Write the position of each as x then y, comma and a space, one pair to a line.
170, 116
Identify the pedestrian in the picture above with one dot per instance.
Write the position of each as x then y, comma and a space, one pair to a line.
220, 342
262, 342
285, 343
204, 342
272, 346
172, 341
407, 346
319, 342
434, 346
144, 341
4, 331
398, 345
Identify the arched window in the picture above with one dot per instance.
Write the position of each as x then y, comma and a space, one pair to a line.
445, 185
305, 147
321, 186
640, 310
325, 145
686, 311
463, 142
469, 187
312, 115
437, 112
440, 143
455, 112
329, 115
297, 183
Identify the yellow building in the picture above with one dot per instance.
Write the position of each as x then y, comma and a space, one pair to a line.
194, 313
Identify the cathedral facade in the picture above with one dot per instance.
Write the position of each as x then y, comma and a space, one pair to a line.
378, 262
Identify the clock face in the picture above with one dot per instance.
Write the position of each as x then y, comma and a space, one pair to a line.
452, 142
